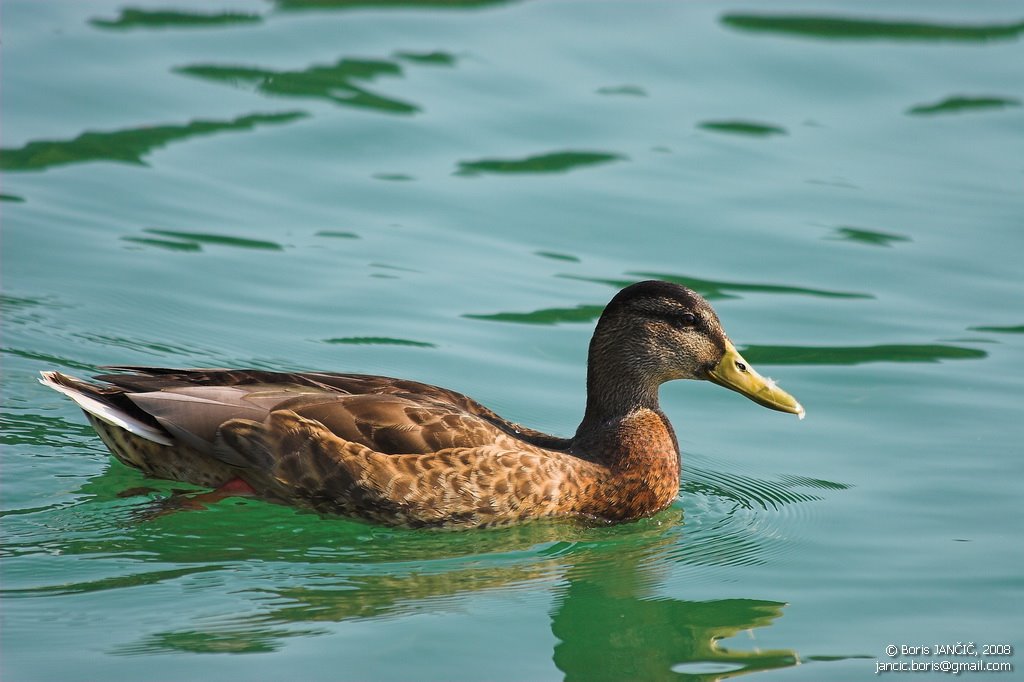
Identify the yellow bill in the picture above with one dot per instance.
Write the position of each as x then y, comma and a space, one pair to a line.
736, 373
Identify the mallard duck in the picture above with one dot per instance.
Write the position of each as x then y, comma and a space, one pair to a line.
404, 453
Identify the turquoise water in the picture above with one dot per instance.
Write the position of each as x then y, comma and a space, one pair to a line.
450, 192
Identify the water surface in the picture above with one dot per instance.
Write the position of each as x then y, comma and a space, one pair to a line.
450, 192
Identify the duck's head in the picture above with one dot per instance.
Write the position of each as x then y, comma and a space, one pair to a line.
654, 331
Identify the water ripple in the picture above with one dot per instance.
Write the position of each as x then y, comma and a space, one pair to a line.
337, 234
581, 313
554, 255
370, 4
552, 162
336, 83
379, 341
1015, 329
191, 241
959, 104
27, 428
856, 355
709, 289
749, 128
629, 90
718, 289
867, 237
125, 146
49, 359
842, 28
110, 583
132, 17
214, 639
437, 58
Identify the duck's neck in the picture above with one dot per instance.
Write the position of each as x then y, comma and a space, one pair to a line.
635, 442
624, 430
623, 423
614, 391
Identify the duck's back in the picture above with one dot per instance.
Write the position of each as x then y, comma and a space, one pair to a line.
392, 416
183, 410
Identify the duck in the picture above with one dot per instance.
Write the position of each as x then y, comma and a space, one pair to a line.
403, 453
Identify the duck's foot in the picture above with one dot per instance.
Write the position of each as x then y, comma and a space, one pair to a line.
191, 501
135, 492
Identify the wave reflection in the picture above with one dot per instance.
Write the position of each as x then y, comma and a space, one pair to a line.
719, 289
192, 241
709, 289
857, 355
868, 237
748, 128
552, 162
338, 83
133, 17
384, 4
959, 104
844, 28
126, 146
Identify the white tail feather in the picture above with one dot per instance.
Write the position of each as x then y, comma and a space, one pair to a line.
106, 412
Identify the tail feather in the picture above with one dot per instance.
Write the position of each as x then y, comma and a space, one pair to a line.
99, 404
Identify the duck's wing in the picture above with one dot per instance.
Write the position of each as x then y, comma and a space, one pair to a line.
365, 383
400, 424
298, 460
192, 405
435, 403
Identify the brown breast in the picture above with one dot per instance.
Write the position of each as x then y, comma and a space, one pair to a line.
642, 460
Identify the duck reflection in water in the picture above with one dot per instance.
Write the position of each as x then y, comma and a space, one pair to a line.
609, 621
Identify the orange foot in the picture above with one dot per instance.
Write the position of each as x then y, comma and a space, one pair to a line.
183, 501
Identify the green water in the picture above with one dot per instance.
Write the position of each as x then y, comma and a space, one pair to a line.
450, 192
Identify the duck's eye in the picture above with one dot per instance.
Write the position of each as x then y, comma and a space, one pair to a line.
684, 320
